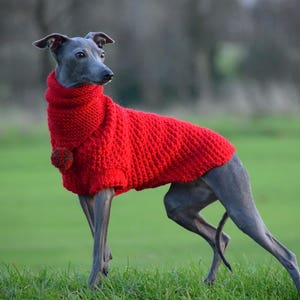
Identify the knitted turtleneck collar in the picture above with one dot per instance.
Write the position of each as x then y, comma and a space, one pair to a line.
73, 113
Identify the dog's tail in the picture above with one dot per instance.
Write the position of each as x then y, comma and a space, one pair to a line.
218, 238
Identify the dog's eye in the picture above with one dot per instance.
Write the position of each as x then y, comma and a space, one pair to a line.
102, 55
80, 54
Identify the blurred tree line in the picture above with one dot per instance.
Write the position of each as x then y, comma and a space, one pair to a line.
243, 53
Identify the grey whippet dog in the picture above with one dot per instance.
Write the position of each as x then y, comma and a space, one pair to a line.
228, 183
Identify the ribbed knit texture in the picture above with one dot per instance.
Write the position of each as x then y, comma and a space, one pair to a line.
126, 149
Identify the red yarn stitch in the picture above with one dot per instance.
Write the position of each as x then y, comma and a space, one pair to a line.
126, 149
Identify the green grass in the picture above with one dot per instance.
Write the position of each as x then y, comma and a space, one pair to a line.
42, 227
132, 283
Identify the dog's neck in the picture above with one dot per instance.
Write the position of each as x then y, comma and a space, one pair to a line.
73, 113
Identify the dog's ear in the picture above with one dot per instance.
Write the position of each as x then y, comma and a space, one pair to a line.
100, 38
52, 41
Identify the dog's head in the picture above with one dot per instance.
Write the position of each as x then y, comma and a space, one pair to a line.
79, 60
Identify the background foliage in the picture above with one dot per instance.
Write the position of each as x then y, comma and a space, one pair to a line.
240, 56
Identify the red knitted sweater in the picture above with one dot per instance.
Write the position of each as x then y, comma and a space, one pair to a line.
105, 145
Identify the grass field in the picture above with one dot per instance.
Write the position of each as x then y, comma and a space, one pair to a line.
43, 232
176, 283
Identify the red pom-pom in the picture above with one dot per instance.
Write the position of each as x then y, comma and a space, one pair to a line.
62, 158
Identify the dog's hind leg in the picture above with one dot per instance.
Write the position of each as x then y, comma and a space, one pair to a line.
88, 206
231, 185
183, 203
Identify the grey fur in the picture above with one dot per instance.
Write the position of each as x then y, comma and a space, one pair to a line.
79, 60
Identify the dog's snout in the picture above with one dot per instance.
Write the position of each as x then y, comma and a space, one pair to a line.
107, 76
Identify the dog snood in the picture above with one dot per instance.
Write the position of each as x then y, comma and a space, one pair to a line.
98, 144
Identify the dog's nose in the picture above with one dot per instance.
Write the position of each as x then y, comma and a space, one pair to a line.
107, 75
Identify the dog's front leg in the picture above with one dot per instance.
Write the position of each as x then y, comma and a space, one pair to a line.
88, 206
101, 218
